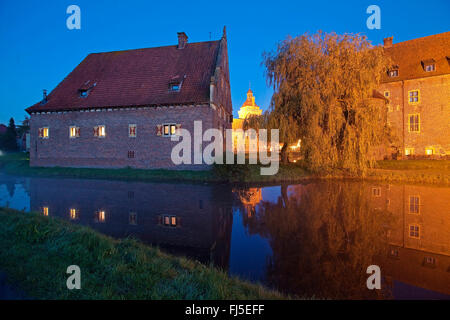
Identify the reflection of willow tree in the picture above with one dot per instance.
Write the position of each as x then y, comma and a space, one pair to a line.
323, 239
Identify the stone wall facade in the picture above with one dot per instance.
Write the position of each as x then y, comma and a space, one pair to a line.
150, 151
433, 109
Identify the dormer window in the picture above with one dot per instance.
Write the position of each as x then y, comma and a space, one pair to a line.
176, 82
429, 65
393, 73
84, 90
175, 87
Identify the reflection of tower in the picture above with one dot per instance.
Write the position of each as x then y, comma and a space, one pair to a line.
249, 199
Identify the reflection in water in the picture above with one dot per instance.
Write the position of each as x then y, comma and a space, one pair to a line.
324, 236
183, 219
314, 239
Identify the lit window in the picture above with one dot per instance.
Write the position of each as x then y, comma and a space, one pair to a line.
101, 216
430, 261
430, 67
73, 214
43, 133
409, 151
376, 192
132, 218
170, 129
429, 151
414, 123
100, 131
414, 231
45, 211
132, 130
414, 204
74, 132
393, 73
170, 221
414, 96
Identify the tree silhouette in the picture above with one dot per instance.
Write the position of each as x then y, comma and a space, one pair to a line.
8, 141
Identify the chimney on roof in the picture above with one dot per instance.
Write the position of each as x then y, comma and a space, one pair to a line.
388, 42
182, 40
44, 95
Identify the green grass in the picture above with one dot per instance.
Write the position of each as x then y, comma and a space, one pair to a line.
412, 171
441, 165
35, 252
408, 171
18, 164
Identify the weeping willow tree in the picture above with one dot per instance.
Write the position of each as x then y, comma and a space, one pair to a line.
323, 237
287, 126
326, 84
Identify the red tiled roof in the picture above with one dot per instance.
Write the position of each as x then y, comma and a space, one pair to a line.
410, 55
138, 77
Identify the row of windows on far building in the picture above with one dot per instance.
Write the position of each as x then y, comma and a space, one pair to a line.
100, 217
414, 200
167, 129
414, 208
427, 67
413, 96
428, 261
414, 126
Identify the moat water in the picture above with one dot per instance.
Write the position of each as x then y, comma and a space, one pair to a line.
314, 239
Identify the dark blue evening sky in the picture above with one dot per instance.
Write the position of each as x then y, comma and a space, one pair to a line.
38, 50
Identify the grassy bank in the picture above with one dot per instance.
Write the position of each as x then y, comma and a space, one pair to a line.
35, 252
408, 171
18, 164
412, 171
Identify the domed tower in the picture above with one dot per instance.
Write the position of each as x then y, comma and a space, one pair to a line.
249, 107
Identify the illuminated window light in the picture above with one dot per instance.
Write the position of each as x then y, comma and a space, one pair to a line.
74, 132
101, 216
45, 211
171, 221
73, 214
100, 131
43, 133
